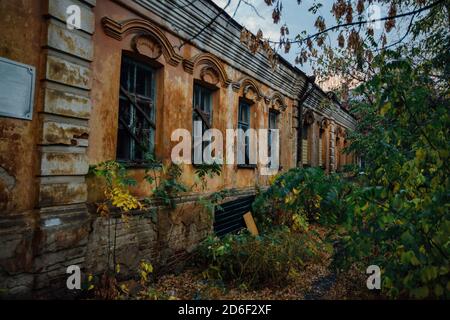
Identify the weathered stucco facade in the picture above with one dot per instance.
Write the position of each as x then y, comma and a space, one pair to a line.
48, 219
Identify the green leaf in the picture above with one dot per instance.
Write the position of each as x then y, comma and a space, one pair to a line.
420, 293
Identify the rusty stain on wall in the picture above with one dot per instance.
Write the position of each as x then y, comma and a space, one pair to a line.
57, 133
44, 163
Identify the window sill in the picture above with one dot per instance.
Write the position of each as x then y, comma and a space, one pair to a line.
196, 165
246, 166
140, 165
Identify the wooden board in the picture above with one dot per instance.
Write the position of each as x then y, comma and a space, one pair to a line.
250, 222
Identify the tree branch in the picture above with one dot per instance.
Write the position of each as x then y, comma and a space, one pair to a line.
402, 38
359, 23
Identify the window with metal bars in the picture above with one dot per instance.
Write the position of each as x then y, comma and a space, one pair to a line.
202, 112
136, 132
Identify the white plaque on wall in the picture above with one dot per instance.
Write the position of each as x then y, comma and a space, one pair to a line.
17, 83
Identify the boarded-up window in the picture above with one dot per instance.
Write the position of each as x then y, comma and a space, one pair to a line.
136, 133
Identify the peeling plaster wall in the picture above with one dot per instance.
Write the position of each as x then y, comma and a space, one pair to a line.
48, 218
174, 106
21, 27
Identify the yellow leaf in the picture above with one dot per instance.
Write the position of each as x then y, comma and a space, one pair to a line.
385, 108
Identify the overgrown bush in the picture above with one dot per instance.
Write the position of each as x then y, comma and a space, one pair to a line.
400, 218
256, 262
301, 196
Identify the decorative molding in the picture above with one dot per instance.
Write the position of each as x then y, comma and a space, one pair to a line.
119, 30
246, 84
212, 62
341, 132
148, 46
209, 74
324, 123
308, 117
278, 97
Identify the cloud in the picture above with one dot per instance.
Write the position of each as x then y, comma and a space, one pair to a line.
247, 17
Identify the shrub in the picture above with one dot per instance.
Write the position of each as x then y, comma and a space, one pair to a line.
258, 261
300, 196
400, 218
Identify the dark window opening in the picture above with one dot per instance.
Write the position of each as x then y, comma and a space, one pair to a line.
136, 133
244, 124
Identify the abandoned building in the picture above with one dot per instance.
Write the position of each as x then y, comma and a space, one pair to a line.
71, 98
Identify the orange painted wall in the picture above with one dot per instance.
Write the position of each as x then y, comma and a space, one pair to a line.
21, 26
174, 107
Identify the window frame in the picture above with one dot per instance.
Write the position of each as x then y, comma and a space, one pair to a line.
247, 125
305, 146
133, 99
276, 113
322, 149
199, 114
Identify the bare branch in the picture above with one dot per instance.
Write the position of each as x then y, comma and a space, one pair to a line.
402, 38
359, 23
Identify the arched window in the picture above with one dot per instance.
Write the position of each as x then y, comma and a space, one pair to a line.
308, 121
208, 74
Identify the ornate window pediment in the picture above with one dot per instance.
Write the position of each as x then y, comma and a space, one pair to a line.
148, 46
324, 123
308, 117
278, 102
248, 88
209, 68
150, 41
341, 132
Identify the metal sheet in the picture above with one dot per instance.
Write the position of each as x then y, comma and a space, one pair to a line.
229, 217
17, 85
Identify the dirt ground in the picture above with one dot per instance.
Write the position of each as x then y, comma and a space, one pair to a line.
314, 282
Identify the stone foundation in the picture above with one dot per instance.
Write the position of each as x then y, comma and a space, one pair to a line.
34, 255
